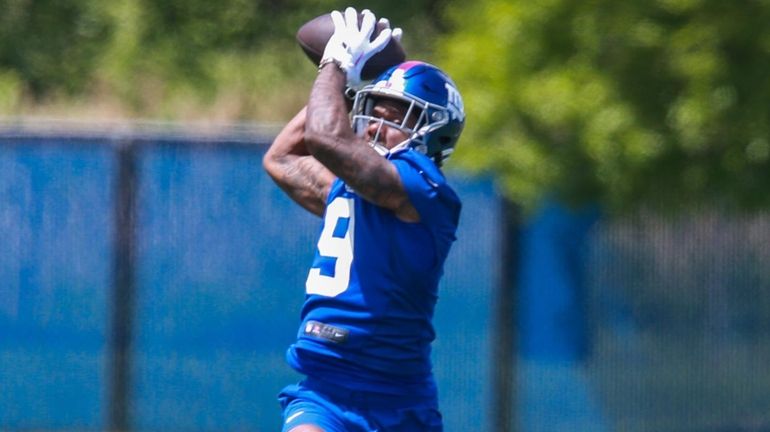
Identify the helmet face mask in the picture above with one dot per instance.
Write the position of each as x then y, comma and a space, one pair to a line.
414, 122
433, 115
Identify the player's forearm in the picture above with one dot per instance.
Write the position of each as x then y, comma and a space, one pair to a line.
289, 164
305, 181
290, 141
327, 131
331, 140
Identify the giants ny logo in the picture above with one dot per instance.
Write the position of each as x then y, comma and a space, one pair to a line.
454, 102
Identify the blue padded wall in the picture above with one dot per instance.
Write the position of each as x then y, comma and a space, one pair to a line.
221, 259
55, 276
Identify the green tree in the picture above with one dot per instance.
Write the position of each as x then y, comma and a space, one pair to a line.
172, 59
51, 46
241, 53
659, 103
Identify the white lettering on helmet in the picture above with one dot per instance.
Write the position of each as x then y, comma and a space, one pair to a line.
454, 102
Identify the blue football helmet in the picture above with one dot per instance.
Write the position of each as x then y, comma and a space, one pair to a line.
434, 117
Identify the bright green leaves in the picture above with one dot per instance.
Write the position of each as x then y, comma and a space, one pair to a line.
629, 103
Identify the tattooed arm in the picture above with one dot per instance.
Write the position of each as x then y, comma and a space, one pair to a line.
331, 140
298, 173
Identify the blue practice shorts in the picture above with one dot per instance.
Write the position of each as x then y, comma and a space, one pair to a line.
337, 409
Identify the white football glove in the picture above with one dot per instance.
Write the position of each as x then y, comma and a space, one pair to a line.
396, 33
350, 47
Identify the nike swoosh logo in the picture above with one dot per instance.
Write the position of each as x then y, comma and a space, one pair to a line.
293, 416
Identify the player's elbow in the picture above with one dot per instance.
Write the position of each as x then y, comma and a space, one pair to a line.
267, 161
271, 164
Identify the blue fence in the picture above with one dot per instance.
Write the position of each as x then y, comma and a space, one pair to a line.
219, 261
153, 282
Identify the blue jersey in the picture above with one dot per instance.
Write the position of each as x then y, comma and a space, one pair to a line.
372, 288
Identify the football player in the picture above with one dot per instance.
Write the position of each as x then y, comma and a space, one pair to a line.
389, 219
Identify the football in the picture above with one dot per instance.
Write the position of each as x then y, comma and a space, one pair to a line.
314, 34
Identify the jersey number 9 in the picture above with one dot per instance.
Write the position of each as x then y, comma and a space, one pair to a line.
330, 274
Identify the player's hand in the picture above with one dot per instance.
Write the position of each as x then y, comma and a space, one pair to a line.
350, 46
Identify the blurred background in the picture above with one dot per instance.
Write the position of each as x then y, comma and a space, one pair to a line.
611, 271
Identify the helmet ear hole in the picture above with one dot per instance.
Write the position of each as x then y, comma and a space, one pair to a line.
444, 140
437, 116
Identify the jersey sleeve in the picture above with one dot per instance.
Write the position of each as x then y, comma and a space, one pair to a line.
428, 191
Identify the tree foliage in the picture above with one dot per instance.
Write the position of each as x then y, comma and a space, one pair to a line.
172, 59
51, 45
659, 103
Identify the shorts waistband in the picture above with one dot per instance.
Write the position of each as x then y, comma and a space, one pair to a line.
365, 398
